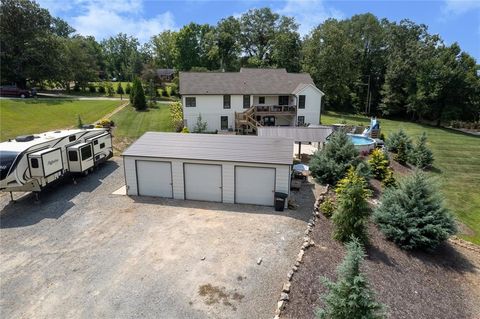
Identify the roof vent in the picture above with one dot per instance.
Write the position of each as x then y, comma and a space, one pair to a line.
24, 138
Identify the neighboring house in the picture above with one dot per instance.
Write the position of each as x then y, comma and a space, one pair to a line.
242, 101
166, 74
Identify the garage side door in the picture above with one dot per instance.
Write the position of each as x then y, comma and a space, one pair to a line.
154, 179
203, 182
254, 185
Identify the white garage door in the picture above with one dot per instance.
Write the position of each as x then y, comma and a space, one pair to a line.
154, 178
254, 185
203, 182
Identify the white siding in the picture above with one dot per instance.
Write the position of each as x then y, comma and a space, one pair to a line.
313, 100
282, 173
211, 108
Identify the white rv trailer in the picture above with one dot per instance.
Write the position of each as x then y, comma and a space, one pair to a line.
31, 162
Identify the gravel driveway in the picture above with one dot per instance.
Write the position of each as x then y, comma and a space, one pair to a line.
85, 253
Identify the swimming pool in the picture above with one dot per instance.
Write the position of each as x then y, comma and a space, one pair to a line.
362, 143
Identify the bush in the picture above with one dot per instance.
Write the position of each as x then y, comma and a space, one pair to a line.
139, 101
327, 207
200, 126
395, 139
165, 92
101, 89
330, 164
76, 87
402, 153
364, 170
120, 88
132, 92
109, 89
378, 164
176, 116
350, 297
128, 88
92, 88
420, 155
388, 179
351, 216
185, 130
79, 121
173, 89
413, 214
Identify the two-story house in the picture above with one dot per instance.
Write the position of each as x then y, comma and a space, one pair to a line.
242, 101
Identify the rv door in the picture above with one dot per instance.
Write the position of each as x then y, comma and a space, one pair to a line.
86, 156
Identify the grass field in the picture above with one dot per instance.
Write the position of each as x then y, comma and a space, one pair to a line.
19, 117
131, 124
456, 166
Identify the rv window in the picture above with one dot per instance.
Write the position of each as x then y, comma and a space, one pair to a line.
71, 138
102, 145
86, 152
34, 162
95, 142
72, 156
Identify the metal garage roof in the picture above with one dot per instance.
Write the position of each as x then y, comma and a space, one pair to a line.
233, 148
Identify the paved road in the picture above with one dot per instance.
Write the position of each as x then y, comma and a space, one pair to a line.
85, 253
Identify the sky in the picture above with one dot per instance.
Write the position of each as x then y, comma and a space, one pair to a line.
454, 20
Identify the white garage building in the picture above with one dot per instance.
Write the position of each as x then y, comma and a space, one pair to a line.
208, 167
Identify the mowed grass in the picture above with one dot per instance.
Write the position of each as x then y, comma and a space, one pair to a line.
20, 117
456, 166
131, 124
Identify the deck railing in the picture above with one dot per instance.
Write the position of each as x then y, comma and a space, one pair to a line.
287, 109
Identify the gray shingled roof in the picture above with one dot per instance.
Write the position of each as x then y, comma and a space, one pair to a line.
213, 147
247, 81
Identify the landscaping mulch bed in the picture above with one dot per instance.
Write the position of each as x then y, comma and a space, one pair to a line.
442, 284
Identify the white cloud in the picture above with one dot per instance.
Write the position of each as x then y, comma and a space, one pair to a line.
458, 7
309, 13
101, 18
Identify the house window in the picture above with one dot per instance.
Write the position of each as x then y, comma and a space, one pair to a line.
86, 152
72, 156
283, 100
301, 120
226, 101
301, 101
34, 162
246, 101
224, 123
261, 100
190, 102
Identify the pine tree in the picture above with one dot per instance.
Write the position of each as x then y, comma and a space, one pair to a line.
139, 101
132, 91
396, 138
413, 214
119, 88
350, 297
402, 153
378, 164
421, 156
351, 216
128, 88
330, 164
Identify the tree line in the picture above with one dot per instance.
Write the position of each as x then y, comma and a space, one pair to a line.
363, 64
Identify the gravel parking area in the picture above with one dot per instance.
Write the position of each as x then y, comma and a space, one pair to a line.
85, 253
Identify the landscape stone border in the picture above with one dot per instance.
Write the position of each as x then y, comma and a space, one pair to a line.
465, 244
307, 243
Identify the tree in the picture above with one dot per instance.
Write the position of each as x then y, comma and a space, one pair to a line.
119, 88
350, 297
122, 58
109, 88
396, 138
421, 156
378, 163
163, 47
139, 101
128, 88
257, 35
287, 45
176, 116
413, 215
200, 125
227, 38
330, 164
351, 216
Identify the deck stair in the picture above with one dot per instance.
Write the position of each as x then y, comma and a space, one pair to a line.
247, 118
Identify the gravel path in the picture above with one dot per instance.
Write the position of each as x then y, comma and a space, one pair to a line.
85, 253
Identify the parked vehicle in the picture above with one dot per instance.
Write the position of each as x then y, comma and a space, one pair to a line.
31, 162
13, 90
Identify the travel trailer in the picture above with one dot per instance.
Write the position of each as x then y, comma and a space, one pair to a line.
31, 162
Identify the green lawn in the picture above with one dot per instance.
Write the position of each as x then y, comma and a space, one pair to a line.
19, 117
456, 166
132, 124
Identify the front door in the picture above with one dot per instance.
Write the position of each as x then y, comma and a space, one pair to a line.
224, 123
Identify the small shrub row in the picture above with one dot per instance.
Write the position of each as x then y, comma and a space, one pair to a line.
465, 125
417, 154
